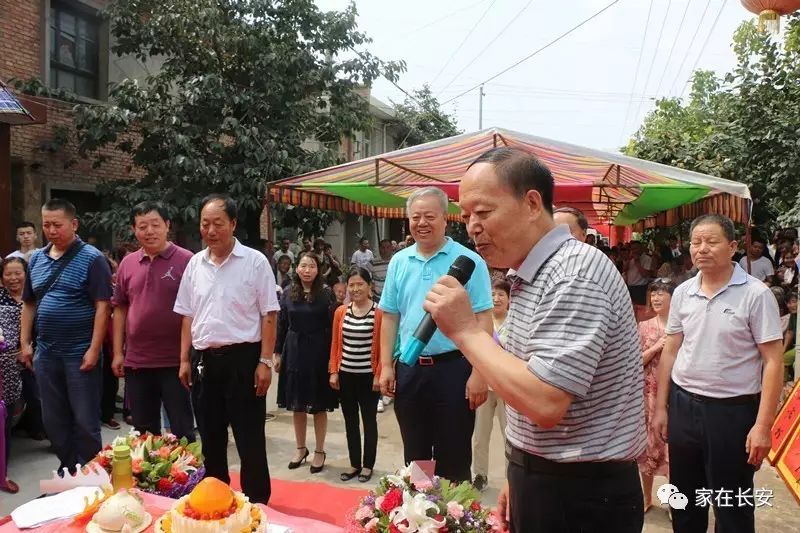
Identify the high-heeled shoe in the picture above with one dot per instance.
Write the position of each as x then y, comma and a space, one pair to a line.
296, 464
318, 469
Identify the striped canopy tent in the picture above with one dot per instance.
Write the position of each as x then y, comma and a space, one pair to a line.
610, 188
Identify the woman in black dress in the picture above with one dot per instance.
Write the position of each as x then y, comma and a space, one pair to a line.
302, 349
13, 270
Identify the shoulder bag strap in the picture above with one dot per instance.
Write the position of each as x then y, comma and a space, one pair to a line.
65, 260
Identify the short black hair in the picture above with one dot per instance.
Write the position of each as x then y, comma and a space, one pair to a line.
577, 213
363, 239
25, 224
383, 241
662, 284
282, 257
359, 271
319, 241
722, 221
757, 237
13, 259
228, 204
57, 204
502, 285
149, 206
521, 171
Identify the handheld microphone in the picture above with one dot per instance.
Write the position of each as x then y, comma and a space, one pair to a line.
461, 269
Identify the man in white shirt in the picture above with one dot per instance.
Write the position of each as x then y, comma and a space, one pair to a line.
229, 303
760, 267
637, 272
363, 256
26, 237
285, 250
719, 379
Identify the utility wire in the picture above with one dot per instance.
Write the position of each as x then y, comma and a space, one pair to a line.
443, 17
705, 44
655, 56
458, 48
689, 48
508, 25
636, 73
535, 52
672, 48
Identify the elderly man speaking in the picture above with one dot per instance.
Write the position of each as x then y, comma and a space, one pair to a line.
571, 371
436, 396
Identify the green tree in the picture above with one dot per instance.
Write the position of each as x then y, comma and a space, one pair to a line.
244, 83
742, 127
420, 119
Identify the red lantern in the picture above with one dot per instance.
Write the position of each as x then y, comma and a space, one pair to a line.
769, 12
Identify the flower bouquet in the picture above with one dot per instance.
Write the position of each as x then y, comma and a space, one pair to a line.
411, 501
161, 464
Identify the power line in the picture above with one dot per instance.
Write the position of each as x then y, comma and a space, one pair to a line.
655, 56
524, 59
508, 25
469, 33
443, 17
636, 73
705, 43
672, 48
689, 48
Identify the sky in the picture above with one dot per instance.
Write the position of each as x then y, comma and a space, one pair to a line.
580, 89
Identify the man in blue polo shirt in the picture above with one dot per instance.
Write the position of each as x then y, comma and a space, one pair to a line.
437, 396
67, 293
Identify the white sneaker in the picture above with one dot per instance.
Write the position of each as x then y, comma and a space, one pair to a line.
380, 406
387, 400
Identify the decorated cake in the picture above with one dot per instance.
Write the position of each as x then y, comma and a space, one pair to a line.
121, 513
213, 507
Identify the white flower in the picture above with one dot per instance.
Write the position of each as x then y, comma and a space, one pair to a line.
399, 479
455, 509
414, 511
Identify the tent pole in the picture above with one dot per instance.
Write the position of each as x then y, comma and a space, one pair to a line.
377, 172
268, 214
748, 236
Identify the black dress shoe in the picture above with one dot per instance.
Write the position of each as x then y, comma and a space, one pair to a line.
347, 476
318, 469
296, 464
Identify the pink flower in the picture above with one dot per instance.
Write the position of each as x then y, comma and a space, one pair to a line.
372, 525
378, 502
455, 509
364, 513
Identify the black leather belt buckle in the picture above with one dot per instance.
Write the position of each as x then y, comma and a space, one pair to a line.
425, 361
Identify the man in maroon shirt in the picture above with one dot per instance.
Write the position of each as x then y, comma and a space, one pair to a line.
147, 332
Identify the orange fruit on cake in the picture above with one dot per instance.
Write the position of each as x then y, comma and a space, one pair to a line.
211, 496
213, 507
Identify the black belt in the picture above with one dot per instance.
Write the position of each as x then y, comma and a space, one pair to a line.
430, 360
744, 399
222, 350
587, 469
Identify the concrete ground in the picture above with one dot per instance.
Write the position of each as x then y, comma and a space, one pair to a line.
30, 461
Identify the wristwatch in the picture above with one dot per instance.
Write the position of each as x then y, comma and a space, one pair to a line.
268, 362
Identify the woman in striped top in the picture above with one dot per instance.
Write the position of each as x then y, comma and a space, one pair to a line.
354, 370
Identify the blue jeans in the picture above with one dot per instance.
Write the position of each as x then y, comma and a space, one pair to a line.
70, 408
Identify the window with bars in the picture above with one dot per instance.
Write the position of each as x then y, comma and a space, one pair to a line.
73, 51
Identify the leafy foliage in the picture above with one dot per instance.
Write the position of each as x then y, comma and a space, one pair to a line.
243, 84
743, 127
421, 119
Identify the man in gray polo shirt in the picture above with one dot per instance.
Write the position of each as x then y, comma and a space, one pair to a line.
720, 376
571, 371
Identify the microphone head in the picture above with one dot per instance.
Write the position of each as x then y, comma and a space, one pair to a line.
462, 269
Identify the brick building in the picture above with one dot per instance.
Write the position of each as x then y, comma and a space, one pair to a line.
65, 44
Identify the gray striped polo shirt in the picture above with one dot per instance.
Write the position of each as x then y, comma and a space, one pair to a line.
574, 325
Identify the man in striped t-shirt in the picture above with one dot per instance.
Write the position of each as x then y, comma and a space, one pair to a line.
67, 294
571, 372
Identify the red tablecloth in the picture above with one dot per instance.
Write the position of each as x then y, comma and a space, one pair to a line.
158, 505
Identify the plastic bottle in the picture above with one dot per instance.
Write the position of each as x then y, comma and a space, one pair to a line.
121, 469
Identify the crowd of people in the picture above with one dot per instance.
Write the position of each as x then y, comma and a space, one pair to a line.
608, 364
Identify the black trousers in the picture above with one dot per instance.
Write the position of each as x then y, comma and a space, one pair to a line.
356, 395
228, 397
147, 389
32, 419
575, 498
434, 415
108, 400
707, 451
